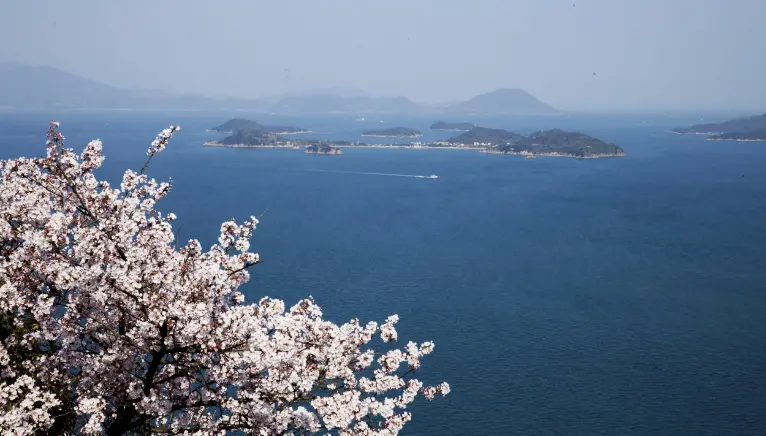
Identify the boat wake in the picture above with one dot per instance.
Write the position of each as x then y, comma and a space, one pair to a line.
414, 176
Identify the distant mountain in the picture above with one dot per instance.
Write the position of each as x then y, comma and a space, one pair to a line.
32, 87
502, 102
45, 87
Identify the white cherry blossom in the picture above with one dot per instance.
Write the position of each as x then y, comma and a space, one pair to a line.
105, 322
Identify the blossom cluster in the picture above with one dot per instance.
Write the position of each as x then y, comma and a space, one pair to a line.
144, 335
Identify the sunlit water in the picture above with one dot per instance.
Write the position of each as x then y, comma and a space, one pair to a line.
619, 296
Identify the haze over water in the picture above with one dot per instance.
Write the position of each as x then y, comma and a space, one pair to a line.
616, 296
573, 54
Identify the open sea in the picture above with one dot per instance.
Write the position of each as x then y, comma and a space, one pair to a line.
621, 296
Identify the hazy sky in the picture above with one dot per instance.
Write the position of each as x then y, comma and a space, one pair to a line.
645, 53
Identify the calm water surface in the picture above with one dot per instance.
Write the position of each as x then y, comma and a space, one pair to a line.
600, 297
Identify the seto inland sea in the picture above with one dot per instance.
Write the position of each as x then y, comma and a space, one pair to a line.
619, 296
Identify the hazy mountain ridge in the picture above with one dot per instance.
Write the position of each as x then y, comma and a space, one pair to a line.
30, 87
502, 101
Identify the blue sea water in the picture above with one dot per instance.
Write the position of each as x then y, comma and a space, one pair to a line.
621, 296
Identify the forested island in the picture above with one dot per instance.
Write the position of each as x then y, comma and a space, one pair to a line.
555, 142
739, 129
460, 126
394, 132
237, 124
249, 137
247, 133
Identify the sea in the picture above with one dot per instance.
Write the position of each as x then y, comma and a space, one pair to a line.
616, 296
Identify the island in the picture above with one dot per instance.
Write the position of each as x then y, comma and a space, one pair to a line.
238, 124
250, 138
323, 148
484, 136
739, 129
555, 142
394, 132
460, 126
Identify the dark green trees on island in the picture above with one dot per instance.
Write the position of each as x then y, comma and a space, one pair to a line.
249, 137
237, 124
739, 129
553, 142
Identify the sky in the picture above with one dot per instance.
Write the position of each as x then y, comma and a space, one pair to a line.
646, 54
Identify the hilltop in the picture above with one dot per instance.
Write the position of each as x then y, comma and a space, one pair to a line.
502, 102
236, 124
40, 87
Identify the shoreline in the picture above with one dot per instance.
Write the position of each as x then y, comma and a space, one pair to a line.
219, 144
696, 133
527, 154
329, 153
736, 140
711, 138
378, 146
404, 146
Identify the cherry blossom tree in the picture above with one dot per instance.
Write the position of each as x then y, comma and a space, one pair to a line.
107, 327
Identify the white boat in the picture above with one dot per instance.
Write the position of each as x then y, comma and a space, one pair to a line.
433, 176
